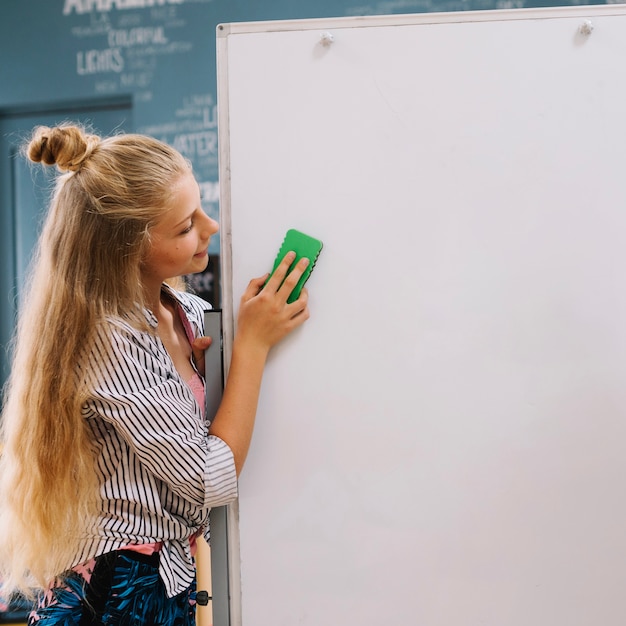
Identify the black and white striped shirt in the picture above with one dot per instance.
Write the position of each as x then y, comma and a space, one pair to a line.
160, 470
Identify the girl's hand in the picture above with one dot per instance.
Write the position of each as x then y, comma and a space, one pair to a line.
198, 346
265, 317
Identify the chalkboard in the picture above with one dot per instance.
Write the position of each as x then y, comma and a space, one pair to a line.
443, 442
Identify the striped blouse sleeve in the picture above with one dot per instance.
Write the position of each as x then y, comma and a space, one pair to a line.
142, 397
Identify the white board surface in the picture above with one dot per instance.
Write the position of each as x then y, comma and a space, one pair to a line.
442, 444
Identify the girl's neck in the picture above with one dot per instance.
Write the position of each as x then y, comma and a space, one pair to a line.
153, 297
164, 306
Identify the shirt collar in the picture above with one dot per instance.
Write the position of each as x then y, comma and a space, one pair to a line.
182, 303
172, 294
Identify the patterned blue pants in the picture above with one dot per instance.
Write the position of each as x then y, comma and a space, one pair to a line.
120, 588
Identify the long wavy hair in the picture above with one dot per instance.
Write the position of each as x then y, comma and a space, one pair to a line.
86, 272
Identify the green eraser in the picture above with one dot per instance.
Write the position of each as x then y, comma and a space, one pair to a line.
304, 246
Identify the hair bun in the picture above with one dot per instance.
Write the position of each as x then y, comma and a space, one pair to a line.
65, 146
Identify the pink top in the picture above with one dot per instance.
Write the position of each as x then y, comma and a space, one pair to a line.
197, 387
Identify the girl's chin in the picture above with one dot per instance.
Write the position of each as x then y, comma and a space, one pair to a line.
200, 263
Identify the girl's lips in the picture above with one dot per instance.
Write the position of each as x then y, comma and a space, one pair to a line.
201, 254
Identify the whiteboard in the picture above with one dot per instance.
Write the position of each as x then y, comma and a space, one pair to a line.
442, 444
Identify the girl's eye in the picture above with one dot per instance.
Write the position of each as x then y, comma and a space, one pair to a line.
188, 229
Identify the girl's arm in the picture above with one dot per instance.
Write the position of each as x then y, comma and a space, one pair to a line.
264, 319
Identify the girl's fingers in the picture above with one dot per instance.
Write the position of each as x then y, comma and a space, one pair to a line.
277, 278
294, 276
198, 346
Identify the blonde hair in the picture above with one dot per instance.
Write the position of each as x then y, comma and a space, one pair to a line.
87, 270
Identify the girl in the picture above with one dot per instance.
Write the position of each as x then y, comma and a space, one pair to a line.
108, 470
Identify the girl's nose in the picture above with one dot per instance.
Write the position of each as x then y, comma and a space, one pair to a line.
211, 227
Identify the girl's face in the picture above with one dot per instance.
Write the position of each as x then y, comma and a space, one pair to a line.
180, 240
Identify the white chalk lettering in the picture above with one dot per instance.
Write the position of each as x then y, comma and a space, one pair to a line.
209, 191
196, 144
104, 6
137, 37
99, 61
209, 117
140, 79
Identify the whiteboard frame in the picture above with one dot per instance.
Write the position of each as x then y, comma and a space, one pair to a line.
366, 21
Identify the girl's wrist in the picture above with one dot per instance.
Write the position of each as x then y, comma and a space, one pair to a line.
250, 347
